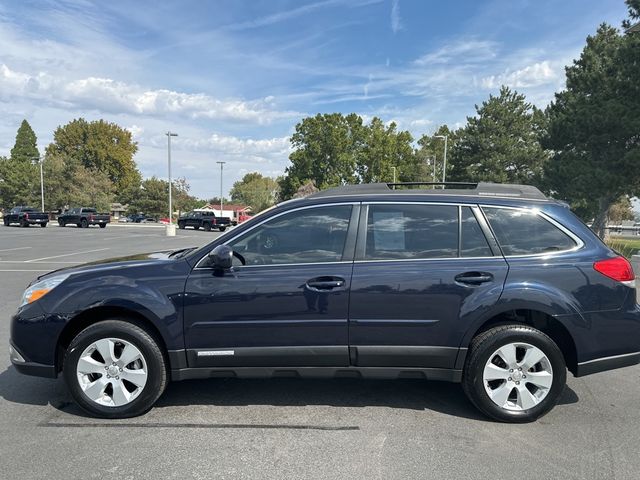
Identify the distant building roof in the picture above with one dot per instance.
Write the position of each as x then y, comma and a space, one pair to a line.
226, 206
634, 28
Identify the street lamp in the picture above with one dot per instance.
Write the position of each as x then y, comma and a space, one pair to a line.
444, 166
221, 170
394, 174
40, 161
169, 135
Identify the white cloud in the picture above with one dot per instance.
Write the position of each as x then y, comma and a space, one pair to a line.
469, 50
231, 145
539, 73
108, 95
396, 21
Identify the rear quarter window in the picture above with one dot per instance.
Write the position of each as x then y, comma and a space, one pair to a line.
524, 232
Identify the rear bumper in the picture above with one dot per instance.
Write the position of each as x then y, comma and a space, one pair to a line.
607, 363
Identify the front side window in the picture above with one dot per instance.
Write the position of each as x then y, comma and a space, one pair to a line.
523, 232
311, 235
406, 231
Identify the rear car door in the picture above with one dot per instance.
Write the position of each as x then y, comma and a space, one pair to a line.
288, 306
423, 273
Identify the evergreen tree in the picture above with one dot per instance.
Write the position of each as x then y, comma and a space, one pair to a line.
25, 148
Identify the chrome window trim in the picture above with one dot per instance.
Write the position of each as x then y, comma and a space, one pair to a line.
578, 241
242, 234
436, 259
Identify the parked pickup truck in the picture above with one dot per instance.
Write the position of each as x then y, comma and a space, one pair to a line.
83, 217
204, 219
25, 216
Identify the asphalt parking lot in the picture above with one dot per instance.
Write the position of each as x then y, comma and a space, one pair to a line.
289, 428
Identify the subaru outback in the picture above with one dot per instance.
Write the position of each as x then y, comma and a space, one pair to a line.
494, 286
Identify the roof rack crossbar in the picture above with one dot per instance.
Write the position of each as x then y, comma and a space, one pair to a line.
455, 184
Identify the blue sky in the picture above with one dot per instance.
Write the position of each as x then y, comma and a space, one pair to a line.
232, 78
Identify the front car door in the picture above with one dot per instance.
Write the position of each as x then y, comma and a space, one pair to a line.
288, 305
422, 273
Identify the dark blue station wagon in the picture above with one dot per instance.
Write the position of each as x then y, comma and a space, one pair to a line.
494, 286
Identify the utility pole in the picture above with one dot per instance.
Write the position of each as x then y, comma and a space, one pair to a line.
221, 172
40, 160
169, 135
444, 163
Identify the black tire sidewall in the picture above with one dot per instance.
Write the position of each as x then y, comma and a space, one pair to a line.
207, 227
156, 370
480, 357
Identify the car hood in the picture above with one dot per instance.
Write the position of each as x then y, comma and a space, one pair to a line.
117, 263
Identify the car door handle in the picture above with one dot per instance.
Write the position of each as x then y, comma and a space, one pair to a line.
474, 278
323, 284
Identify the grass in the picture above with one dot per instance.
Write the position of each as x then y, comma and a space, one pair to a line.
625, 246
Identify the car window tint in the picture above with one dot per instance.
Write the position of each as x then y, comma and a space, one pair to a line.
522, 232
474, 243
304, 236
411, 231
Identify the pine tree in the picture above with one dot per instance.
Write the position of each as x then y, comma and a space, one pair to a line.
25, 149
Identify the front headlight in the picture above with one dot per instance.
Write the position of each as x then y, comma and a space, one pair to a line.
41, 288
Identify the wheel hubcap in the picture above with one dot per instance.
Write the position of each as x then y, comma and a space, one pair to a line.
517, 376
112, 372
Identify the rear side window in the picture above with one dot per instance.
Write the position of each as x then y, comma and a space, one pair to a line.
407, 231
521, 232
473, 243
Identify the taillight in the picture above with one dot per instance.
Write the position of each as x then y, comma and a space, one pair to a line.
91, 218
26, 216
617, 268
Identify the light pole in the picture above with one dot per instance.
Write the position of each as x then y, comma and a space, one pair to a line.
394, 174
444, 163
169, 135
40, 160
221, 170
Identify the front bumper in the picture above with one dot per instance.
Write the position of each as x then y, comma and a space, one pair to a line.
30, 368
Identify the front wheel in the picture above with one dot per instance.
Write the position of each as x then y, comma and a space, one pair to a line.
181, 225
222, 229
514, 373
115, 369
84, 223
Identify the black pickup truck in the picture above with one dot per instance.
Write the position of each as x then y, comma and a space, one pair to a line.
25, 216
83, 217
205, 219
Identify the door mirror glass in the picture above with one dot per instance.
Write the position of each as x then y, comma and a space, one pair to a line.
221, 257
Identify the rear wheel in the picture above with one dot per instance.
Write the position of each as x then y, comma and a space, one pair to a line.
181, 225
103, 225
514, 373
222, 229
61, 223
24, 223
196, 227
6, 222
207, 227
43, 224
84, 223
115, 369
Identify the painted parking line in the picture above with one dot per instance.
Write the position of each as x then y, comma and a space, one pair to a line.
66, 255
25, 270
16, 248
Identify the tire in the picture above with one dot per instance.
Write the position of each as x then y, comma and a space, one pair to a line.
120, 332
24, 223
196, 227
103, 225
519, 407
181, 225
43, 225
6, 222
61, 223
84, 223
222, 229
207, 227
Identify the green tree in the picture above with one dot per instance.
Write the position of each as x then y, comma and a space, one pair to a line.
594, 125
152, 198
333, 149
25, 149
621, 210
99, 146
255, 191
19, 174
430, 155
501, 143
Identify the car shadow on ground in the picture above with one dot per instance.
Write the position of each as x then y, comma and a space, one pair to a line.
443, 397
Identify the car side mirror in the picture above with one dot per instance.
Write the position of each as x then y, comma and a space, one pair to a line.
222, 257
